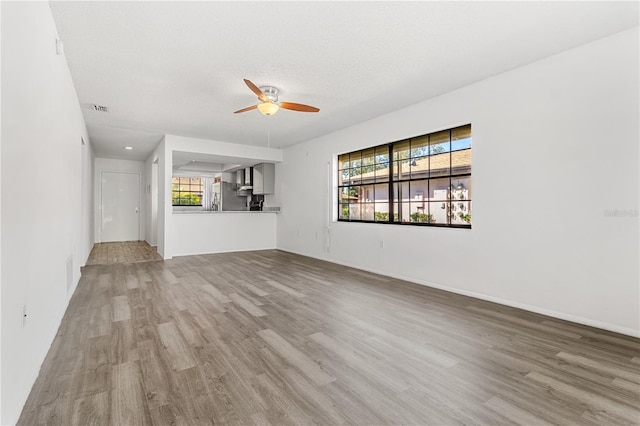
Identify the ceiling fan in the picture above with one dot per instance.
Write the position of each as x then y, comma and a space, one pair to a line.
269, 105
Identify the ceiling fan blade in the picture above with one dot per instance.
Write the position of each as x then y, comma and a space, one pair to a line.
246, 109
256, 90
298, 107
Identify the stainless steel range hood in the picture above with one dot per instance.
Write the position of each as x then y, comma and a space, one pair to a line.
244, 180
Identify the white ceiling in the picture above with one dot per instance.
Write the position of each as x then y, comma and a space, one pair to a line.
177, 67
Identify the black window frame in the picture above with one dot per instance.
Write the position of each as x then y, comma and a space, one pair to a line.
457, 200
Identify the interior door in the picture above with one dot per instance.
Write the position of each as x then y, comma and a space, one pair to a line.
120, 206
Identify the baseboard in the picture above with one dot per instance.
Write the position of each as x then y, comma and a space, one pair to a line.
531, 308
225, 251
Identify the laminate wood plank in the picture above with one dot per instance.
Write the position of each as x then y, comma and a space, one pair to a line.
513, 412
132, 282
611, 408
359, 361
92, 410
633, 376
247, 305
296, 358
217, 294
284, 288
181, 357
128, 405
255, 290
120, 309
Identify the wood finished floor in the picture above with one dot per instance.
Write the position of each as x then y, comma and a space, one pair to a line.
122, 252
274, 338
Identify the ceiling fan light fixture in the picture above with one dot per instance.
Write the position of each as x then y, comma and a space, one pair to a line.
268, 108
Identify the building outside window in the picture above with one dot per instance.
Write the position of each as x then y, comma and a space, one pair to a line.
425, 180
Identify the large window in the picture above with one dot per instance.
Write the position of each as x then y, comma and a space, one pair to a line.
186, 191
425, 180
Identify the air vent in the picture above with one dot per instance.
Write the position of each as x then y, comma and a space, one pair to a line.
99, 108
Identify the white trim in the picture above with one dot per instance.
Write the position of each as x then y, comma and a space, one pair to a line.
550, 313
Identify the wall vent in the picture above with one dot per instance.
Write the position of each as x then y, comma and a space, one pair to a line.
99, 108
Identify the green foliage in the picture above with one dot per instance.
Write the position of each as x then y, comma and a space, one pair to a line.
465, 217
186, 199
437, 149
384, 217
381, 217
345, 212
422, 217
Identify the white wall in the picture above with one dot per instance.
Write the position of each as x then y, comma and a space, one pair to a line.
555, 144
151, 200
198, 233
43, 195
87, 207
111, 165
169, 242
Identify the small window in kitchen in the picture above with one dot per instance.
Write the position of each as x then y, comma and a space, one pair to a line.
186, 191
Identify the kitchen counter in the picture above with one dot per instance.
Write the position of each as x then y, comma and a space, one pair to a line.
202, 231
222, 211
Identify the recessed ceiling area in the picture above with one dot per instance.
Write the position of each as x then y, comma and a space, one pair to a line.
178, 67
205, 164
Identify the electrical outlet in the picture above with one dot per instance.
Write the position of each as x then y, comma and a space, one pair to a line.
381, 244
298, 233
317, 235
23, 315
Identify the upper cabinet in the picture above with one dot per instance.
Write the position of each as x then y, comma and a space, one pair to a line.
264, 175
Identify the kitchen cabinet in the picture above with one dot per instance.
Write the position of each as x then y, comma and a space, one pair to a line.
264, 175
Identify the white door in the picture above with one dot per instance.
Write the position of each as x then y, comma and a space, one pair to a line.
120, 206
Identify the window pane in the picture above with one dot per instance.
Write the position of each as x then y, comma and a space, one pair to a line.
344, 195
353, 194
420, 213
461, 188
401, 169
439, 189
382, 172
381, 212
381, 193
461, 137
354, 176
405, 212
461, 162
438, 211
419, 167
462, 213
420, 146
355, 159
343, 161
419, 190
401, 191
366, 211
368, 174
366, 193
401, 150
368, 157
382, 154
343, 177
354, 211
343, 211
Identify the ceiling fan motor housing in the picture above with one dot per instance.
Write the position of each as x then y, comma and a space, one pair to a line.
270, 92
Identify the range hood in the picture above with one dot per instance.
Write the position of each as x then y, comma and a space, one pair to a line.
244, 179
